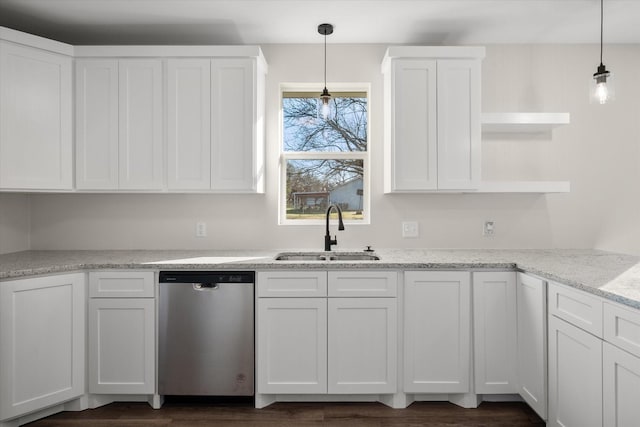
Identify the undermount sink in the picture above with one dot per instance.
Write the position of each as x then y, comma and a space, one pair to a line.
286, 256
325, 256
353, 257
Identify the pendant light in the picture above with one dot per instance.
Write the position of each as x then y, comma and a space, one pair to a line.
325, 96
601, 84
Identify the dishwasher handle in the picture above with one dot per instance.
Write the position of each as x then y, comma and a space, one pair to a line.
205, 286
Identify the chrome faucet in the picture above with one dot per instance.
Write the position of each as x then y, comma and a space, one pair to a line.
327, 238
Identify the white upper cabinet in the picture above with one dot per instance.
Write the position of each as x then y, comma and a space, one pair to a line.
459, 134
189, 123
119, 113
432, 118
97, 124
232, 153
412, 144
36, 145
208, 99
140, 128
215, 124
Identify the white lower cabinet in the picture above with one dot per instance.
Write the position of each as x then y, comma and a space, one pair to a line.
326, 344
575, 357
362, 345
437, 327
621, 366
495, 332
121, 346
291, 345
575, 376
532, 342
621, 387
122, 333
42, 343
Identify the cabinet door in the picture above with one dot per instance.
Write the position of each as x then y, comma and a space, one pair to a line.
437, 332
42, 343
575, 376
97, 124
189, 124
621, 382
233, 142
458, 124
292, 345
362, 345
35, 115
494, 310
122, 346
140, 124
412, 150
532, 342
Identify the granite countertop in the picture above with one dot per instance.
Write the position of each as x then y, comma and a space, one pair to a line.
610, 275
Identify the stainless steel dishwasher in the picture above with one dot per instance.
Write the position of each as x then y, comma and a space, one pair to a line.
206, 338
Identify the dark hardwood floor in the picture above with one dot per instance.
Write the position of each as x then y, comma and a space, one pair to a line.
242, 413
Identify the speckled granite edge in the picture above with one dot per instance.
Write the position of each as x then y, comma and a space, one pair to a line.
613, 276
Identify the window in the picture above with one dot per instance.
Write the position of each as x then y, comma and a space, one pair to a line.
324, 159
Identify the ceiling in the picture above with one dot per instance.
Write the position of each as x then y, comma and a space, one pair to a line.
430, 22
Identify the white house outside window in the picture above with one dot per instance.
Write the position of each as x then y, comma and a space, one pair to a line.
324, 160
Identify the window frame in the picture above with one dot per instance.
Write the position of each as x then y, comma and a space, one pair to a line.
285, 156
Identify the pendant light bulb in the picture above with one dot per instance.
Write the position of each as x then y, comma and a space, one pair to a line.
602, 91
325, 96
601, 83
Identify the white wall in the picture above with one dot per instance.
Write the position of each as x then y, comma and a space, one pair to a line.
14, 222
599, 152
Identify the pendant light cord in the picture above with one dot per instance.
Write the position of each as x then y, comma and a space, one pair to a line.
601, 30
325, 60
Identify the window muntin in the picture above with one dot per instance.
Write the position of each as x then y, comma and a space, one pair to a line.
324, 161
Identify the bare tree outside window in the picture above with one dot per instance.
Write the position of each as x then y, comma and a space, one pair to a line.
324, 157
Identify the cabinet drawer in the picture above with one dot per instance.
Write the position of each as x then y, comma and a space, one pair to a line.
121, 284
622, 328
363, 283
280, 284
576, 307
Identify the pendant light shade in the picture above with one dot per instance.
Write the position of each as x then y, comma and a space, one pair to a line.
325, 96
602, 81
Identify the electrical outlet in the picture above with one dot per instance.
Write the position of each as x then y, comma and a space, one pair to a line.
410, 229
489, 228
201, 229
